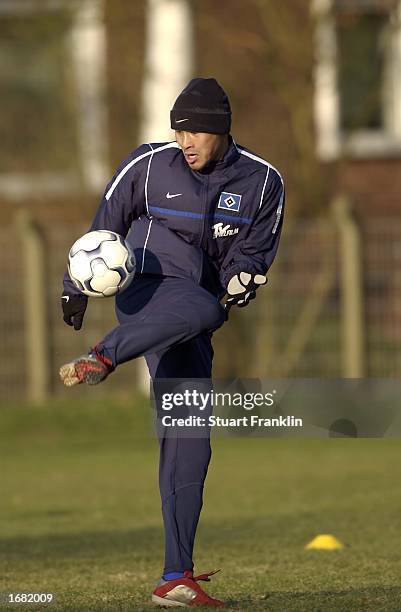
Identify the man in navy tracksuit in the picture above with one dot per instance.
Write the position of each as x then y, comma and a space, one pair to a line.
203, 216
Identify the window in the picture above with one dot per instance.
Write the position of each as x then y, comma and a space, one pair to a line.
358, 78
38, 114
52, 120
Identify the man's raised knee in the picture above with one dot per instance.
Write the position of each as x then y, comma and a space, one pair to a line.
214, 316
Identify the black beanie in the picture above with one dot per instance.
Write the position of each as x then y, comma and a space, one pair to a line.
203, 106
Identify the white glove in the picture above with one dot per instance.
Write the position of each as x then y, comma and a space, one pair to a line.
242, 287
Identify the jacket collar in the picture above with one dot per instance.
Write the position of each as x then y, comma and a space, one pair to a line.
231, 155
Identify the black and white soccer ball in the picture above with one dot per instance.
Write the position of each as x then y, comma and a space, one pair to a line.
101, 263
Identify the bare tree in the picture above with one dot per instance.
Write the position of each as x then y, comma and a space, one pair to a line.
168, 66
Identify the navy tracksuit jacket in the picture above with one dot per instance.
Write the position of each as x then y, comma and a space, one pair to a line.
205, 227
190, 232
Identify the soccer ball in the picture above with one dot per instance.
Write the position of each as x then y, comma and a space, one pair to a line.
101, 263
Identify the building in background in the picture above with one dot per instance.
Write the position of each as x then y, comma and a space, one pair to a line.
358, 97
316, 87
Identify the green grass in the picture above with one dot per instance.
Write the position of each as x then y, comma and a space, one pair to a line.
80, 514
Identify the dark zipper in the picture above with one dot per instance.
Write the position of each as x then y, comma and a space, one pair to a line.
203, 221
204, 208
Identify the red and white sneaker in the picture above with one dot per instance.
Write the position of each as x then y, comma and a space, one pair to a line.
90, 369
185, 592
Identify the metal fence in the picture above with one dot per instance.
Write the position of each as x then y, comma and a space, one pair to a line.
304, 323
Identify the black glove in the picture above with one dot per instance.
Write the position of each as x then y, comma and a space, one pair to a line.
74, 307
242, 287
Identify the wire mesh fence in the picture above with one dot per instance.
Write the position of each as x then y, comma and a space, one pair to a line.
382, 258
12, 369
294, 327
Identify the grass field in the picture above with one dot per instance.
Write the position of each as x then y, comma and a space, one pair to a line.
80, 514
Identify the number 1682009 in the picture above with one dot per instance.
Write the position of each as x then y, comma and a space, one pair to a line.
25, 598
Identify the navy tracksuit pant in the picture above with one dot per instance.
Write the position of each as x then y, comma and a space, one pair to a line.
170, 321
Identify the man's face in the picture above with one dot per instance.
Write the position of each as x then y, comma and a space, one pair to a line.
200, 148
